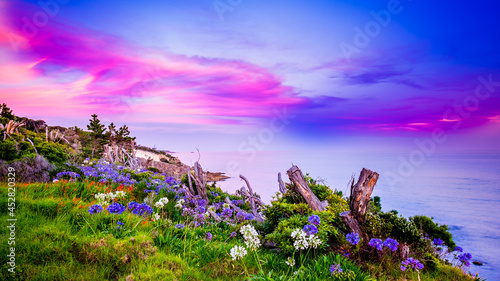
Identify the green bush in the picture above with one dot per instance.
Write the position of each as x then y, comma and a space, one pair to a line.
8, 150
432, 230
54, 152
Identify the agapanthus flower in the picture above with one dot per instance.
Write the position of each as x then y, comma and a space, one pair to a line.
179, 226
227, 213
391, 244
95, 209
238, 252
465, 258
335, 269
352, 238
314, 219
458, 249
310, 229
140, 209
304, 241
116, 208
438, 242
233, 234
161, 203
411, 263
376, 243
208, 236
290, 261
119, 223
251, 236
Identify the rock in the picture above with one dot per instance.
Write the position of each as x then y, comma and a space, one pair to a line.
477, 263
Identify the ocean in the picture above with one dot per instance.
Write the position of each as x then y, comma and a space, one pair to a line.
459, 190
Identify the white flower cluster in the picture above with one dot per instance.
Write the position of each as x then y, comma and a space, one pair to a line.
290, 261
251, 236
179, 203
238, 252
162, 202
304, 241
104, 198
156, 217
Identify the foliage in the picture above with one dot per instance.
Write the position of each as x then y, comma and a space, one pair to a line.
433, 230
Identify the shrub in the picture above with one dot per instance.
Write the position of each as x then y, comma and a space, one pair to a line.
428, 227
32, 168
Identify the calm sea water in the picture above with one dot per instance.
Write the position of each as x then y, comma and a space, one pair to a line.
460, 190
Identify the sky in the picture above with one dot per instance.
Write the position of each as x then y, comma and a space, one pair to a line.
237, 75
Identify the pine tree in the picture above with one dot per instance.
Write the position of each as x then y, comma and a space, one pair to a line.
96, 134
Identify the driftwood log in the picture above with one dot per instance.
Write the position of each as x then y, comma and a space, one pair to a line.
281, 184
251, 197
300, 185
257, 216
360, 198
200, 179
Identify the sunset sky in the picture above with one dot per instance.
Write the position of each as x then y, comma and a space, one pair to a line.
339, 75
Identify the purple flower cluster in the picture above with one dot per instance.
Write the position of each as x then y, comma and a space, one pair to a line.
310, 229
140, 209
242, 216
237, 202
411, 263
376, 243
179, 226
438, 242
465, 258
352, 238
233, 234
391, 244
227, 213
103, 172
71, 175
208, 236
116, 208
458, 249
314, 219
95, 209
335, 269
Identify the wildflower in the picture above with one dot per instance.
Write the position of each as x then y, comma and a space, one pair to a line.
162, 202
376, 243
119, 223
140, 209
310, 229
208, 236
251, 236
116, 208
227, 213
238, 252
179, 226
233, 234
314, 219
95, 209
352, 238
458, 249
391, 244
156, 217
411, 263
464, 258
290, 262
304, 241
335, 269
55, 180
438, 242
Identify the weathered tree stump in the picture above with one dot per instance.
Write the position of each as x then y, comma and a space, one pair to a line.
361, 193
301, 186
281, 184
351, 223
200, 180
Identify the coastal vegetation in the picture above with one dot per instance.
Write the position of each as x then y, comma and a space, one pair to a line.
81, 216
